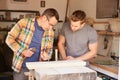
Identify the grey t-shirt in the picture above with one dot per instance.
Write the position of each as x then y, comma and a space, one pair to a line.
77, 42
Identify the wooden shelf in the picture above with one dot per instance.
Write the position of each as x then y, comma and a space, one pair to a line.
6, 15
105, 22
103, 32
13, 16
4, 29
9, 20
29, 11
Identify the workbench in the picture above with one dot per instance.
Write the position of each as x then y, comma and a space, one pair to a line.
110, 70
61, 70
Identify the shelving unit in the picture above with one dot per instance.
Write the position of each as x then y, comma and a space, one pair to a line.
15, 15
10, 17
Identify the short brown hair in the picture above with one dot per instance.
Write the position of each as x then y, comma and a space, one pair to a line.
78, 15
50, 12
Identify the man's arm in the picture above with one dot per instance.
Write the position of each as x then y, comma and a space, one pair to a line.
92, 52
61, 46
11, 38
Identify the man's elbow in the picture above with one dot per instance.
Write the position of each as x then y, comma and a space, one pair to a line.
94, 53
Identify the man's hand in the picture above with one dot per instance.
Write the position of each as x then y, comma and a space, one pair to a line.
29, 52
70, 58
45, 56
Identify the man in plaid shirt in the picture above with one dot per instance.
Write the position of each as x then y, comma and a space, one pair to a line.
31, 40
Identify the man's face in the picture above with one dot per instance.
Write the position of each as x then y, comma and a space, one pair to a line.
49, 23
75, 25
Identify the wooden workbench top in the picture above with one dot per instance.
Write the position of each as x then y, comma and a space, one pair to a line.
109, 67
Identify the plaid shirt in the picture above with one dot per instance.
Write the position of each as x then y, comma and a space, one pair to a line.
19, 39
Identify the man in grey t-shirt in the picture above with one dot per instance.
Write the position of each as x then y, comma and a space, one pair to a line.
79, 38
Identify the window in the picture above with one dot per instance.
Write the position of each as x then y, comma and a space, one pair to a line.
107, 8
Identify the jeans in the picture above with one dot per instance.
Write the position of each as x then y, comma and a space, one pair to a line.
20, 75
